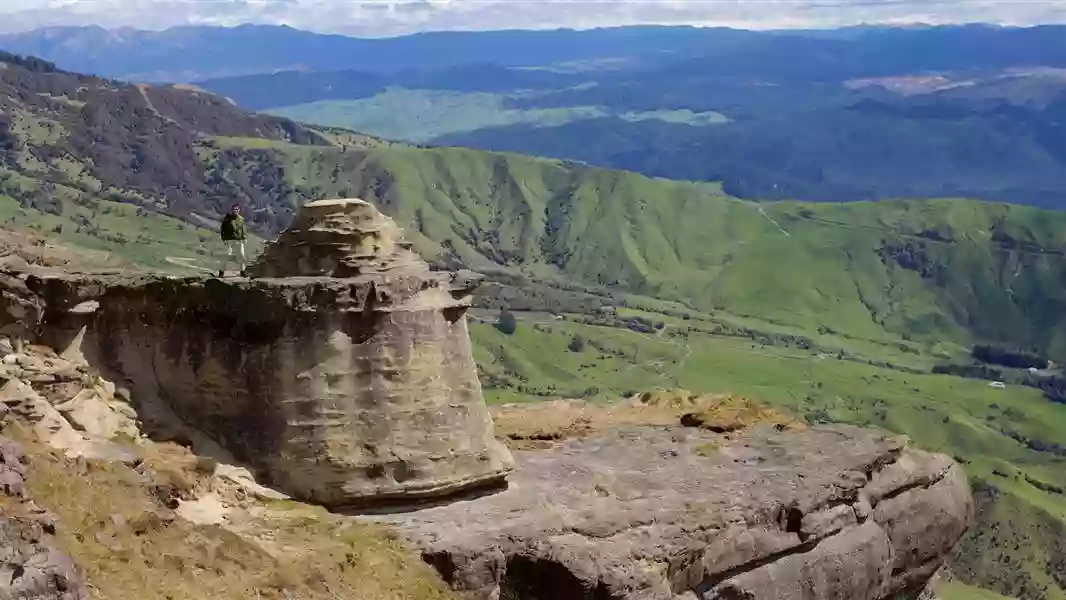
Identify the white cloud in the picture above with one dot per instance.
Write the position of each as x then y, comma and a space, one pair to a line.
390, 17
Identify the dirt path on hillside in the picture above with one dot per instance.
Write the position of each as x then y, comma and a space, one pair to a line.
187, 263
762, 212
143, 89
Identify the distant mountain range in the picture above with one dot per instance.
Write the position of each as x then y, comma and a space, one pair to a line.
200, 52
854, 114
193, 53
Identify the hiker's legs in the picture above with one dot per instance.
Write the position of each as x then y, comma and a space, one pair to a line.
229, 255
233, 247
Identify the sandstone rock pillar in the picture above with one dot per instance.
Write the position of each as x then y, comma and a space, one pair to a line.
343, 371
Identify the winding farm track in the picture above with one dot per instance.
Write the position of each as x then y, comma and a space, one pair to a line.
186, 263
762, 212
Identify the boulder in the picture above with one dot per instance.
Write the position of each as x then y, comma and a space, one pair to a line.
645, 513
50, 425
20, 399
339, 238
342, 374
92, 412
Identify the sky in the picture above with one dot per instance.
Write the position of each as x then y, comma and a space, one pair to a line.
395, 17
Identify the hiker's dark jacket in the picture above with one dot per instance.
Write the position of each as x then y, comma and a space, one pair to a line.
232, 227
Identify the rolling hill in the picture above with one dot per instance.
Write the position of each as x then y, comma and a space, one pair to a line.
865, 149
946, 270
836, 311
861, 114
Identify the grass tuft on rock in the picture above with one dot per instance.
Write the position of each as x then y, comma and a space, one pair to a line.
532, 425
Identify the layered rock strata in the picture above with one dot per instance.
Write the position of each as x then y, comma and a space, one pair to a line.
340, 238
668, 513
344, 375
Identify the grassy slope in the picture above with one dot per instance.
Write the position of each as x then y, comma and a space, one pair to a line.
689, 241
945, 270
150, 239
110, 525
797, 268
959, 591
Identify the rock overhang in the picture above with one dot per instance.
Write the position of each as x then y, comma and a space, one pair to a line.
343, 372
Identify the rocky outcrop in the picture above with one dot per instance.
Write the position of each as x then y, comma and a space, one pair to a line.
20, 311
339, 238
344, 375
669, 513
66, 405
31, 566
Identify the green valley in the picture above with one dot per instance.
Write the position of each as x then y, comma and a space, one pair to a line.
422, 115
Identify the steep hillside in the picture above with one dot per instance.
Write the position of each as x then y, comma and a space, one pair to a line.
933, 270
74, 138
946, 270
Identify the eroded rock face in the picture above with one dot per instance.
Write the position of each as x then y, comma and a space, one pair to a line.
339, 238
667, 513
346, 377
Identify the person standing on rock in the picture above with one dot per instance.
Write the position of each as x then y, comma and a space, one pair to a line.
232, 232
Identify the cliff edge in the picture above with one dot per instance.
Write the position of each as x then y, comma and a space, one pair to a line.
641, 512
344, 374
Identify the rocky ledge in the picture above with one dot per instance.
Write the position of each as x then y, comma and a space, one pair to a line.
670, 513
344, 375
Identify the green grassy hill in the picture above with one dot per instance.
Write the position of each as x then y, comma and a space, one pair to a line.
893, 286
945, 270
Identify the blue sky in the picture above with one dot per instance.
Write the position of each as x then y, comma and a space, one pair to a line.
391, 17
